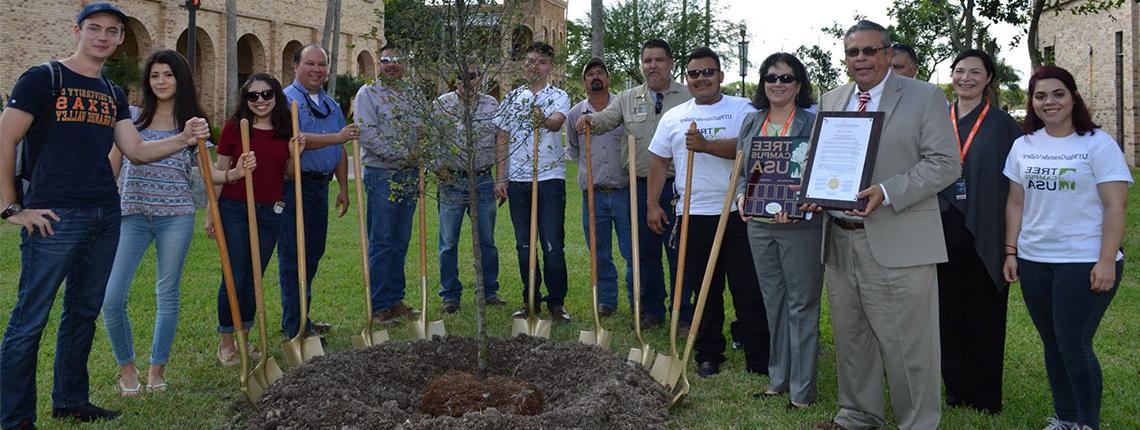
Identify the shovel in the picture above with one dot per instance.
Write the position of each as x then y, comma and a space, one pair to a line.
300, 348
683, 389
598, 336
667, 368
366, 337
532, 326
266, 372
420, 328
227, 270
642, 353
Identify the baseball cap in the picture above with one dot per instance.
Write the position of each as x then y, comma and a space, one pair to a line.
594, 62
100, 7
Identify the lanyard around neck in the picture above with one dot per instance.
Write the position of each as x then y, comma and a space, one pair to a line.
787, 124
965, 147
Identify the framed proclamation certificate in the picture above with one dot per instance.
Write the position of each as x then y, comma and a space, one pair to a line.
841, 159
773, 164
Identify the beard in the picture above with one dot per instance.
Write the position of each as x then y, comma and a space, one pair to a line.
596, 85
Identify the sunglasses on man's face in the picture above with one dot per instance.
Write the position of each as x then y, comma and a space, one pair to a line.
867, 52
696, 73
771, 78
264, 94
389, 59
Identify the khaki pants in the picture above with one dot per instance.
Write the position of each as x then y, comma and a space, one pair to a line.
884, 320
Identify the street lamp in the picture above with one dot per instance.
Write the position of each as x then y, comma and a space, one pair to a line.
743, 45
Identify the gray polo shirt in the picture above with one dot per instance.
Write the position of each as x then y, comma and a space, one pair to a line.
448, 131
606, 150
636, 110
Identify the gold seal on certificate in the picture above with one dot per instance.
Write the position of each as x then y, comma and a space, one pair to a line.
842, 158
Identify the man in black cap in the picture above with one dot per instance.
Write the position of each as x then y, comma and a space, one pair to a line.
610, 184
68, 114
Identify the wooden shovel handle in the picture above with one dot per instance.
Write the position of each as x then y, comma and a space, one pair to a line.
298, 209
254, 244
635, 240
219, 235
533, 263
592, 231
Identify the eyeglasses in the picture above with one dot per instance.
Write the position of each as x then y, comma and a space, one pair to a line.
771, 78
390, 59
694, 74
867, 52
251, 96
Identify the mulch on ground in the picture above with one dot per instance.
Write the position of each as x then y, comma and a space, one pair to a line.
382, 388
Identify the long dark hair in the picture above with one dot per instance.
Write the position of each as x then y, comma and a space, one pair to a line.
280, 118
185, 93
1082, 120
803, 98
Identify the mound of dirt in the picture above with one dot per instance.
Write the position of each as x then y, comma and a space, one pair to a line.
382, 388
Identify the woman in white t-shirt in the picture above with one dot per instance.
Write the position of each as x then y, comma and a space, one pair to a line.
1064, 227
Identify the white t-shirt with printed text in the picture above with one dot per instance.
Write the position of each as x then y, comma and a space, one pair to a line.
720, 120
1062, 217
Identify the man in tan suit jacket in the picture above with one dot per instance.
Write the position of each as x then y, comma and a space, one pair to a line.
880, 262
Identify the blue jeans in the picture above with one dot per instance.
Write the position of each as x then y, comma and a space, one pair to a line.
1067, 313
454, 203
650, 244
551, 236
391, 213
171, 236
235, 222
611, 209
81, 251
315, 200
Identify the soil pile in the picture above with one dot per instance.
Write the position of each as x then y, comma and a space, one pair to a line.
382, 388
457, 393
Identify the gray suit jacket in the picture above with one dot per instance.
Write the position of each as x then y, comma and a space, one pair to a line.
917, 158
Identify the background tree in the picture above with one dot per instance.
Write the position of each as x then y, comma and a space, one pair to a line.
330, 40
597, 32
822, 70
232, 59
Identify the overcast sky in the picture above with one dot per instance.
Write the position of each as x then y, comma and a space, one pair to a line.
797, 22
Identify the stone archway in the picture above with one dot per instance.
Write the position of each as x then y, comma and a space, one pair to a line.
251, 57
287, 68
205, 69
125, 67
365, 65
521, 38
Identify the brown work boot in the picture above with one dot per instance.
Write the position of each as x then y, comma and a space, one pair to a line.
393, 314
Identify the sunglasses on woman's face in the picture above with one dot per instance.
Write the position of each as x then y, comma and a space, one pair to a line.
771, 78
696, 73
251, 96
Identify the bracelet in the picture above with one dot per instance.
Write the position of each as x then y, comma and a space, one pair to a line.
1010, 246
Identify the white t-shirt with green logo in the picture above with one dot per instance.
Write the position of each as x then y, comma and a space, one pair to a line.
1062, 218
720, 120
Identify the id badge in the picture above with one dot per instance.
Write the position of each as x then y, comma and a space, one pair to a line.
960, 189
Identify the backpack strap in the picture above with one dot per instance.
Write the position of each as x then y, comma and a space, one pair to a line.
56, 76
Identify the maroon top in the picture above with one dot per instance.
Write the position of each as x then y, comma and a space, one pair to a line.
272, 154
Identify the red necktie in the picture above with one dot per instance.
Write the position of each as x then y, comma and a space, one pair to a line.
864, 98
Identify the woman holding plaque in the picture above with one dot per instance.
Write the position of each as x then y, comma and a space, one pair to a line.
785, 248
1064, 226
972, 295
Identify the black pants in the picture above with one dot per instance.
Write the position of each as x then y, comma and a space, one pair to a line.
972, 314
735, 264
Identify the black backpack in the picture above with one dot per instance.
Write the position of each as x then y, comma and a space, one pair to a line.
25, 157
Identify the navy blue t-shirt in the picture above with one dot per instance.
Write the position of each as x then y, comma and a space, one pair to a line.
70, 137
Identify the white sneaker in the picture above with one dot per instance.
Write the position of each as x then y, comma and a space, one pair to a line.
1056, 424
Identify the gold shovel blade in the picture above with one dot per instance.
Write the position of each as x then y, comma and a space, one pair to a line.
680, 393
268, 374
666, 370
600, 338
298, 350
531, 327
253, 389
416, 330
643, 356
436, 328
520, 326
541, 328
365, 339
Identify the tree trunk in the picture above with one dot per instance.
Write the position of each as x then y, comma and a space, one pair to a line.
1034, 18
232, 58
596, 31
334, 53
327, 30
708, 20
967, 40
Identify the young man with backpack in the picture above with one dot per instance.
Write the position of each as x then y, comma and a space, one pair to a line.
68, 115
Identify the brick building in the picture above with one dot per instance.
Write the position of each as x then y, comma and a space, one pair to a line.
1102, 52
269, 33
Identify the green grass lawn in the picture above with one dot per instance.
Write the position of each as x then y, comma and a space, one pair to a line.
204, 395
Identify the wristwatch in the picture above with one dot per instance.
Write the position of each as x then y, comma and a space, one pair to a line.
11, 210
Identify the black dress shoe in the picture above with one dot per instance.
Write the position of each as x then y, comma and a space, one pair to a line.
321, 327
765, 394
494, 301
86, 413
706, 369
650, 321
450, 307
559, 314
